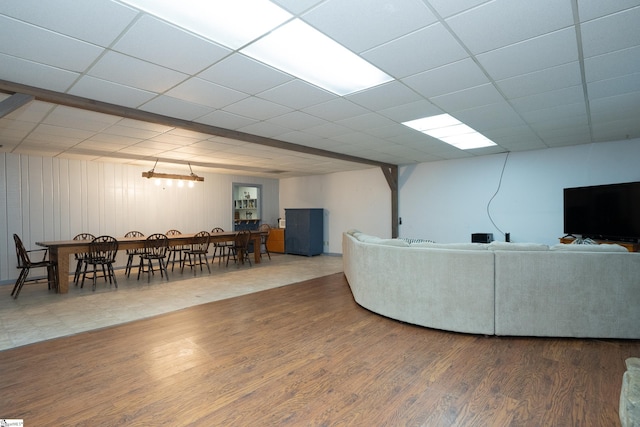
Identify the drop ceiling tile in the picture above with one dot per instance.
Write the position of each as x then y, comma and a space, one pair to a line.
256, 108
614, 64
539, 101
591, 9
616, 130
63, 132
384, 96
98, 21
490, 117
113, 93
365, 122
615, 86
296, 120
541, 81
410, 111
446, 8
99, 146
561, 112
163, 44
36, 44
155, 128
504, 22
617, 107
173, 107
297, 6
376, 21
139, 151
79, 119
232, 72
130, 132
296, 94
32, 112
449, 78
205, 93
31, 73
399, 58
598, 37
327, 130
335, 109
225, 120
119, 68
111, 139
175, 140
468, 98
531, 55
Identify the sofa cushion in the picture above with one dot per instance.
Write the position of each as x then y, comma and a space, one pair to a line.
458, 246
589, 248
507, 246
393, 242
367, 238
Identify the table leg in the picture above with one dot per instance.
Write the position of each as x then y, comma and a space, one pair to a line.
256, 249
61, 255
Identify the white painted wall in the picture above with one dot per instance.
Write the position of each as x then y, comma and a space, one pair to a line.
54, 199
447, 201
359, 199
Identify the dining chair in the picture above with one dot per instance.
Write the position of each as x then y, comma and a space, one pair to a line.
102, 252
175, 251
25, 264
264, 229
196, 254
80, 257
220, 249
155, 248
240, 248
131, 253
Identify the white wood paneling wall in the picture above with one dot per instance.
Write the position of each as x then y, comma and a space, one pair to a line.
54, 199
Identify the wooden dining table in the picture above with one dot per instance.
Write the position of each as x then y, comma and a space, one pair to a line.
60, 251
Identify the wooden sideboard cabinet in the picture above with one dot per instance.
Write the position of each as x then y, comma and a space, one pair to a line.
275, 242
304, 233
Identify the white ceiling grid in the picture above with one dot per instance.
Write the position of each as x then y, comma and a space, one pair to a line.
527, 74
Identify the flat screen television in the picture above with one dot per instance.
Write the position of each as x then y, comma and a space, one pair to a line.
608, 212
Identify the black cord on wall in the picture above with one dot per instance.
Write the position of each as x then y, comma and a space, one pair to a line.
496, 193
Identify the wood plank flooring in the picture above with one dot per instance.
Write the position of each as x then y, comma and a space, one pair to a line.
307, 354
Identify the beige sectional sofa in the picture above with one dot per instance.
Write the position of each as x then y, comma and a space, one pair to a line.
498, 288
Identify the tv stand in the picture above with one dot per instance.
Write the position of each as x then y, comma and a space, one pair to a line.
631, 247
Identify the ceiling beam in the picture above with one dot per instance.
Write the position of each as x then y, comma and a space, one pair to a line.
14, 102
133, 113
24, 93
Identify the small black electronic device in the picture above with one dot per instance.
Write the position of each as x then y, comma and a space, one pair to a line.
482, 238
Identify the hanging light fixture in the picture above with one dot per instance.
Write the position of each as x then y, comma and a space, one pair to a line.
153, 174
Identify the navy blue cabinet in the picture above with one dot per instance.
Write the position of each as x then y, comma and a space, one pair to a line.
304, 232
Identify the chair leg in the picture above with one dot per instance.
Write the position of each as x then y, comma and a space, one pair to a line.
76, 275
112, 274
22, 277
84, 274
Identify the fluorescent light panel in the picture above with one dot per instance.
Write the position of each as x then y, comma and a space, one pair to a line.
256, 28
450, 130
300, 50
230, 23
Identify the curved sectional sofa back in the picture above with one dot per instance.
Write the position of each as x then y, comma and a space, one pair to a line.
498, 288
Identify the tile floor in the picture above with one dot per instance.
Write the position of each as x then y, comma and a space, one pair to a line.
39, 314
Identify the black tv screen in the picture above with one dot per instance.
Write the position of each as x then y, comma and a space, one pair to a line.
609, 212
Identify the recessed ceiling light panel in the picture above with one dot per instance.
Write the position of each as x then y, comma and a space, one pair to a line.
304, 52
450, 130
230, 23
